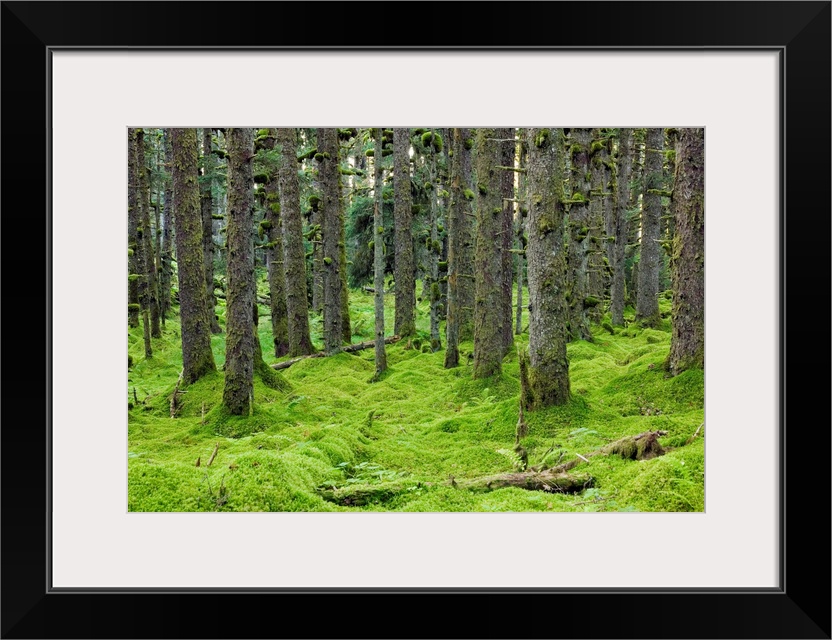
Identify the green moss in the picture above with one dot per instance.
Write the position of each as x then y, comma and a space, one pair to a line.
542, 138
428, 186
327, 260
314, 201
428, 423
468, 194
134, 307
319, 157
469, 143
482, 188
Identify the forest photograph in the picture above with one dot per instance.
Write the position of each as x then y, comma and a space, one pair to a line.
415, 319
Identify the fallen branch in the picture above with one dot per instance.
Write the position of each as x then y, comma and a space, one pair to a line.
213, 455
173, 404
358, 346
696, 433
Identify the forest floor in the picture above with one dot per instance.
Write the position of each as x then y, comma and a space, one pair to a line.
412, 431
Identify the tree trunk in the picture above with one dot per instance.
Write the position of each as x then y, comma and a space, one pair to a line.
687, 344
327, 158
140, 253
147, 235
273, 232
598, 159
647, 301
433, 257
458, 222
167, 234
346, 327
621, 224
580, 300
488, 310
239, 347
378, 255
507, 153
294, 261
548, 371
520, 233
207, 202
197, 357
135, 258
405, 322
635, 205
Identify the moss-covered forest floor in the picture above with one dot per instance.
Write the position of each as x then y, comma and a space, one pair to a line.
412, 430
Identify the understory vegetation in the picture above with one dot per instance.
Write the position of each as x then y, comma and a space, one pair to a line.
410, 440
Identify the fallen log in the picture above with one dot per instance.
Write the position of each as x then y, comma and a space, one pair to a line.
361, 494
553, 482
351, 348
643, 446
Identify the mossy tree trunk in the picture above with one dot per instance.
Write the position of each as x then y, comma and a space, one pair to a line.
134, 246
272, 229
520, 232
488, 263
620, 229
580, 300
151, 282
197, 357
687, 343
141, 249
207, 202
327, 159
156, 204
548, 369
378, 255
346, 326
167, 233
647, 299
459, 231
635, 206
598, 159
294, 261
405, 321
240, 338
434, 256
507, 154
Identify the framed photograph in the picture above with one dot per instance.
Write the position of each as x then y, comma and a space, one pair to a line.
87, 527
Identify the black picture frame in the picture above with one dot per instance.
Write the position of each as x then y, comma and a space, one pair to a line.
800, 608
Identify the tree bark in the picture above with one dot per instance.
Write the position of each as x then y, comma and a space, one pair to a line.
134, 246
327, 158
579, 235
598, 159
647, 300
548, 375
458, 224
207, 202
434, 256
152, 284
378, 255
687, 343
404, 322
167, 234
273, 234
621, 224
488, 310
294, 261
507, 153
520, 244
197, 357
240, 347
